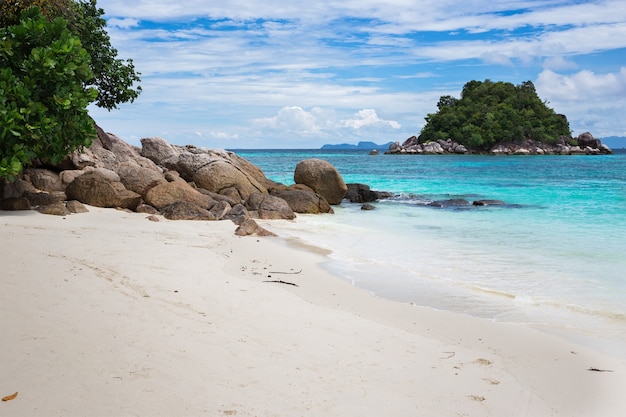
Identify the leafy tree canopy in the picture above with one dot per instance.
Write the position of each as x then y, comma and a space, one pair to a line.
44, 72
493, 112
114, 78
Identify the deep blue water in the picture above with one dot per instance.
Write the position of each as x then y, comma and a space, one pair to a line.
553, 257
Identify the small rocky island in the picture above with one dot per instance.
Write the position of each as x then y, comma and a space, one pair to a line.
497, 118
584, 144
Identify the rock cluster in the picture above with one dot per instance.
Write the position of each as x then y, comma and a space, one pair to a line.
584, 144
178, 182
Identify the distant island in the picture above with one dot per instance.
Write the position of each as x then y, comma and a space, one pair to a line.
361, 145
615, 142
498, 118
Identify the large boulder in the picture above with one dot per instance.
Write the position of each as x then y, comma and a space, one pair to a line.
138, 178
217, 171
221, 176
322, 177
269, 207
43, 179
102, 188
587, 139
167, 193
303, 201
186, 210
107, 151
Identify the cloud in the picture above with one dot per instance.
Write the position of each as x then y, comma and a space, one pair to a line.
368, 117
292, 119
583, 85
559, 63
123, 23
592, 102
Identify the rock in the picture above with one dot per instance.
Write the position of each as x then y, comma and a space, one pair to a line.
367, 206
43, 198
361, 193
303, 201
322, 177
488, 203
270, 207
15, 189
186, 210
217, 171
74, 206
139, 179
587, 139
153, 218
221, 175
147, 209
44, 179
69, 175
98, 188
374, 152
167, 193
453, 202
251, 227
15, 204
238, 213
460, 149
107, 151
56, 209
158, 150
433, 148
220, 209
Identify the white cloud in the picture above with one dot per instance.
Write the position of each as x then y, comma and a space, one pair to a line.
292, 119
583, 85
592, 102
123, 23
368, 117
559, 63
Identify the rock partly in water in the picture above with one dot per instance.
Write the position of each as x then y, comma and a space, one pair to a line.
322, 177
303, 201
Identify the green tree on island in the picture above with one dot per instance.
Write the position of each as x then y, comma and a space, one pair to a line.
494, 112
55, 59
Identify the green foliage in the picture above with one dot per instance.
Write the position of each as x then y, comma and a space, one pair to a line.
43, 93
114, 78
493, 112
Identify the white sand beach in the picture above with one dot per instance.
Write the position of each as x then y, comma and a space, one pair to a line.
109, 314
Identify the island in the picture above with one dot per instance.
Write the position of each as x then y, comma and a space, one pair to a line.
497, 118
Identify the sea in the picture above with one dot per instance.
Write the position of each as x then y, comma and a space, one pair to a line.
553, 256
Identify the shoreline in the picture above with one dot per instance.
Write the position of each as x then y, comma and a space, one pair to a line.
107, 313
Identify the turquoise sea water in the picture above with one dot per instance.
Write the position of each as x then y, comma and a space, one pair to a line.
553, 257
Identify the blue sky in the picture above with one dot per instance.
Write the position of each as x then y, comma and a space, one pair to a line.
299, 74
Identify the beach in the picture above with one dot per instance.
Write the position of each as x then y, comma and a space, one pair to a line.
107, 313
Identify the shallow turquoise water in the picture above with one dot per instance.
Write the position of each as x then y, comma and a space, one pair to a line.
553, 257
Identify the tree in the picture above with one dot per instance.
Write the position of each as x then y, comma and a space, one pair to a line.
44, 72
492, 112
114, 78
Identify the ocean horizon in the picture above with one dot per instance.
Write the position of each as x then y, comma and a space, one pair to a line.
551, 257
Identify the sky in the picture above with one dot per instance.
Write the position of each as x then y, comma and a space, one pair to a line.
244, 74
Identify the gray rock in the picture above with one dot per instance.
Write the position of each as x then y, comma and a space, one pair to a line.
269, 207
322, 177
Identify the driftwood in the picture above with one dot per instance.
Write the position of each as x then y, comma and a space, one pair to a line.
282, 282
599, 370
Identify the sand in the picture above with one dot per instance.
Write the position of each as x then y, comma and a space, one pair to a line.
109, 314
